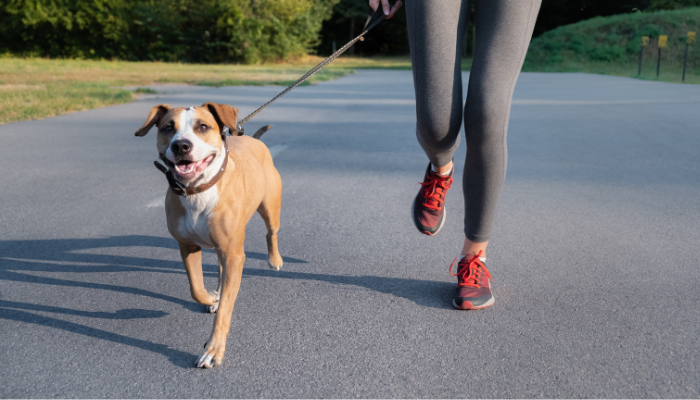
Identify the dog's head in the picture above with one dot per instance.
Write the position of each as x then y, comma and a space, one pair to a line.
190, 139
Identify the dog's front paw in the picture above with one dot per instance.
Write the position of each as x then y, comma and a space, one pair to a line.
213, 309
213, 355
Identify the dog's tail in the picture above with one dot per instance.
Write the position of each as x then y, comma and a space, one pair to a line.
261, 131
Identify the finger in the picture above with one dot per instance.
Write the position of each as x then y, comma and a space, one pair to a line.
386, 7
394, 9
374, 4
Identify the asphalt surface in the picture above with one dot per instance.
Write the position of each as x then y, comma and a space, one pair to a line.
595, 254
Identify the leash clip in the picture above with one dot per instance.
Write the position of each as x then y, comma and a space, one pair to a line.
174, 184
240, 130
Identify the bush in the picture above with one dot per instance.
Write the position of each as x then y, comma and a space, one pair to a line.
608, 53
168, 30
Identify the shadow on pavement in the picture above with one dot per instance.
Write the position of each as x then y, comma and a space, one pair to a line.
434, 294
129, 313
22, 258
178, 358
61, 255
25, 260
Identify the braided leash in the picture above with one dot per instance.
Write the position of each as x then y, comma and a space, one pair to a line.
372, 21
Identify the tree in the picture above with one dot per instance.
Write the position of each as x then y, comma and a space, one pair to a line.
247, 31
352, 11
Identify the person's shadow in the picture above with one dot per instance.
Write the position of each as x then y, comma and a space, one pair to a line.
25, 260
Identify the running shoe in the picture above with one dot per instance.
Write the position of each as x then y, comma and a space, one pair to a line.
474, 284
429, 205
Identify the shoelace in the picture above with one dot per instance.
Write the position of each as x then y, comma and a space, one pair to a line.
434, 191
469, 272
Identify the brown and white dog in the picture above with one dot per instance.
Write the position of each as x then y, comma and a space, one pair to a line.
192, 144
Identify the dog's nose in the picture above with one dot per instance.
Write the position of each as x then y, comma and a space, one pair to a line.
181, 147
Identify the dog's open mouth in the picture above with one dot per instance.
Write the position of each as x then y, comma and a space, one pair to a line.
187, 169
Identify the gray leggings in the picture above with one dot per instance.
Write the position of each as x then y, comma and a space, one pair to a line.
436, 31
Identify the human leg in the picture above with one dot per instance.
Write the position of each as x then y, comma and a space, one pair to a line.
503, 32
436, 32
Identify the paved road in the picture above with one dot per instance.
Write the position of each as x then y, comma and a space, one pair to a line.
595, 255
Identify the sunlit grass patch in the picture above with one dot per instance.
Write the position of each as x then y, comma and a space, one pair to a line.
40, 101
38, 88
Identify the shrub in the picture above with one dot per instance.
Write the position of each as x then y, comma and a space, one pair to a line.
607, 53
168, 30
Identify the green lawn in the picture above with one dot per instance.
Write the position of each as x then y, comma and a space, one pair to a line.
37, 88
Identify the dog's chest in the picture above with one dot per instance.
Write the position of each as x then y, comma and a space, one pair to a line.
194, 224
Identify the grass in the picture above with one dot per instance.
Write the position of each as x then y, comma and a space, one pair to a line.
36, 88
145, 90
611, 45
669, 71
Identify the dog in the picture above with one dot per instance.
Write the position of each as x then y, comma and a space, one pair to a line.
216, 185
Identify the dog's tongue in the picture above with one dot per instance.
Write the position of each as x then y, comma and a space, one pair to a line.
189, 169
185, 166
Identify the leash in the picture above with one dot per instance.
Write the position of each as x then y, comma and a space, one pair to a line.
372, 20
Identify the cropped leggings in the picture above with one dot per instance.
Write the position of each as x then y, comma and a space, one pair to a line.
436, 30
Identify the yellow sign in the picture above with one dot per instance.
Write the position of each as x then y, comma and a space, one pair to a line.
691, 37
645, 40
663, 39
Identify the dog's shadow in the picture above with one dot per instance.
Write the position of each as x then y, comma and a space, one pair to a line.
25, 261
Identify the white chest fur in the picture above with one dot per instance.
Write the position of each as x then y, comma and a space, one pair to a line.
194, 224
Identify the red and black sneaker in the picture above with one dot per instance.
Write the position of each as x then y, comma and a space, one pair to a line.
474, 284
429, 205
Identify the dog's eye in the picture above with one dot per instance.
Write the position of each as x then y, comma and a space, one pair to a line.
203, 128
168, 129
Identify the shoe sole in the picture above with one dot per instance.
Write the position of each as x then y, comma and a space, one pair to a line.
485, 305
418, 224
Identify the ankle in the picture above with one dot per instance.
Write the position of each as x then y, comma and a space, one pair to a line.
471, 249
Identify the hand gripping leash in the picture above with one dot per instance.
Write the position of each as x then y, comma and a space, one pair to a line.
372, 21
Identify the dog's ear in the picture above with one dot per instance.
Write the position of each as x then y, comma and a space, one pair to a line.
224, 114
154, 117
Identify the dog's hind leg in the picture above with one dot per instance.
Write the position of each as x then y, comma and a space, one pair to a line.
269, 210
192, 259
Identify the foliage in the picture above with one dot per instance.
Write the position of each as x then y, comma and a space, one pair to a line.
555, 13
657, 5
346, 9
169, 30
346, 22
615, 39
